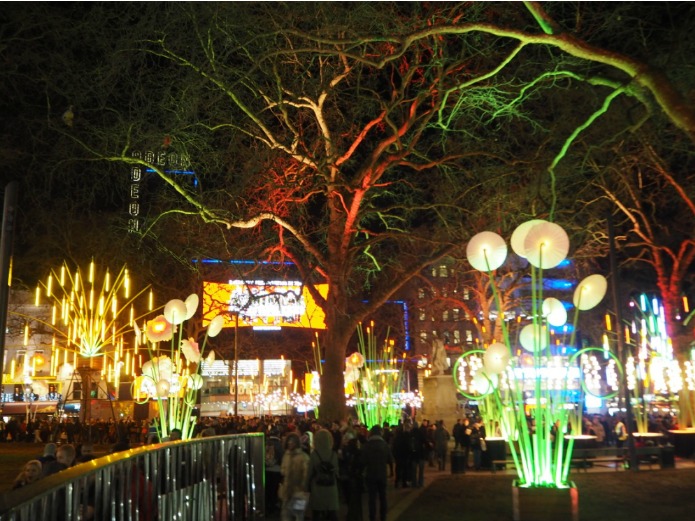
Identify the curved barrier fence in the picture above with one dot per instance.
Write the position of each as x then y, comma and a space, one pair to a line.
217, 478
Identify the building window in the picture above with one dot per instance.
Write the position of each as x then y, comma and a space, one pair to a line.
443, 271
466, 293
421, 293
445, 316
423, 336
433, 271
457, 337
422, 314
455, 314
469, 336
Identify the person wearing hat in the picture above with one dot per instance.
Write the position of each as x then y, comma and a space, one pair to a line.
49, 454
376, 458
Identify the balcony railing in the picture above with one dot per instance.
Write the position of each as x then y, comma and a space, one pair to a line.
217, 478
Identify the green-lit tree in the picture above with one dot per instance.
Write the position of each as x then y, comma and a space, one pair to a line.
350, 140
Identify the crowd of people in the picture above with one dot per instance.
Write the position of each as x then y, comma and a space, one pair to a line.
310, 465
364, 457
54, 459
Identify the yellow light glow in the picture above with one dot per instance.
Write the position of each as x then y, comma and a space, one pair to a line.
26, 334
37, 297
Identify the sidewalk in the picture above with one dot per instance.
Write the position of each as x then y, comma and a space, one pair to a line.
401, 500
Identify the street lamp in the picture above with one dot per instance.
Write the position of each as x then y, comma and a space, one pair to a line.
236, 365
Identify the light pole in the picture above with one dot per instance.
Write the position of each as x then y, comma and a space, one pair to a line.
236, 365
623, 353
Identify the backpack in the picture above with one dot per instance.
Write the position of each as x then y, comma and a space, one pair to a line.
326, 475
270, 457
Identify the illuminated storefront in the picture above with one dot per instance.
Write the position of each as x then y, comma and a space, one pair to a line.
262, 387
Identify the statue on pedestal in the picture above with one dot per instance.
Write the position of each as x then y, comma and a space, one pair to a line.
440, 362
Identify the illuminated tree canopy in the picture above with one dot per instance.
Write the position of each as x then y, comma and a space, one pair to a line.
360, 141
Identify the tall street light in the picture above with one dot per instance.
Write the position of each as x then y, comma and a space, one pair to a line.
236, 364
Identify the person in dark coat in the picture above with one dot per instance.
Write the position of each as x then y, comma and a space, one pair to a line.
419, 455
457, 434
353, 482
65, 458
377, 459
49, 453
403, 445
477, 435
466, 440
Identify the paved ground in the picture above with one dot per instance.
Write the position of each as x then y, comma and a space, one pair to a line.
604, 493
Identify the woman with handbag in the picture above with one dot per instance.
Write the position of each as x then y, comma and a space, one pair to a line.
293, 469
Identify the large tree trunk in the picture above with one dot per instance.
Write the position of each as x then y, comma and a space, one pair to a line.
340, 330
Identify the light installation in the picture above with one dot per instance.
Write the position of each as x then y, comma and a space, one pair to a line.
172, 376
91, 316
374, 379
531, 396
654, 376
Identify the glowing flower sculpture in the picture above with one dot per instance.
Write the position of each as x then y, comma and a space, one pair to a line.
375, 378
171, 376
504, 385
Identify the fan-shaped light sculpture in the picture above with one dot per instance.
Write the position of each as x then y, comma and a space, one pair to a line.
554, 312
546, 245
534, 337
484, 383
486, 251
496, 358
519, 236
590, 292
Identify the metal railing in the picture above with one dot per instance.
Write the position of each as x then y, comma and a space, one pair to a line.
217, 478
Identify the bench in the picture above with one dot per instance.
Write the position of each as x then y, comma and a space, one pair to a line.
501, 463
608, 456
650, 456
585, 458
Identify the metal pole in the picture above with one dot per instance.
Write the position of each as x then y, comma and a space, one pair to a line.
9, 215
236, 365
622, 350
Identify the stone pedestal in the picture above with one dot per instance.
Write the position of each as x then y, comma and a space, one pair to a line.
439, 400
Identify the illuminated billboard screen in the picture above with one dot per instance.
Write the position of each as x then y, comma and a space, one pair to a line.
263, 304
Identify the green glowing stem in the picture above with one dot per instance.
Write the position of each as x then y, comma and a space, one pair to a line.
571, 138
